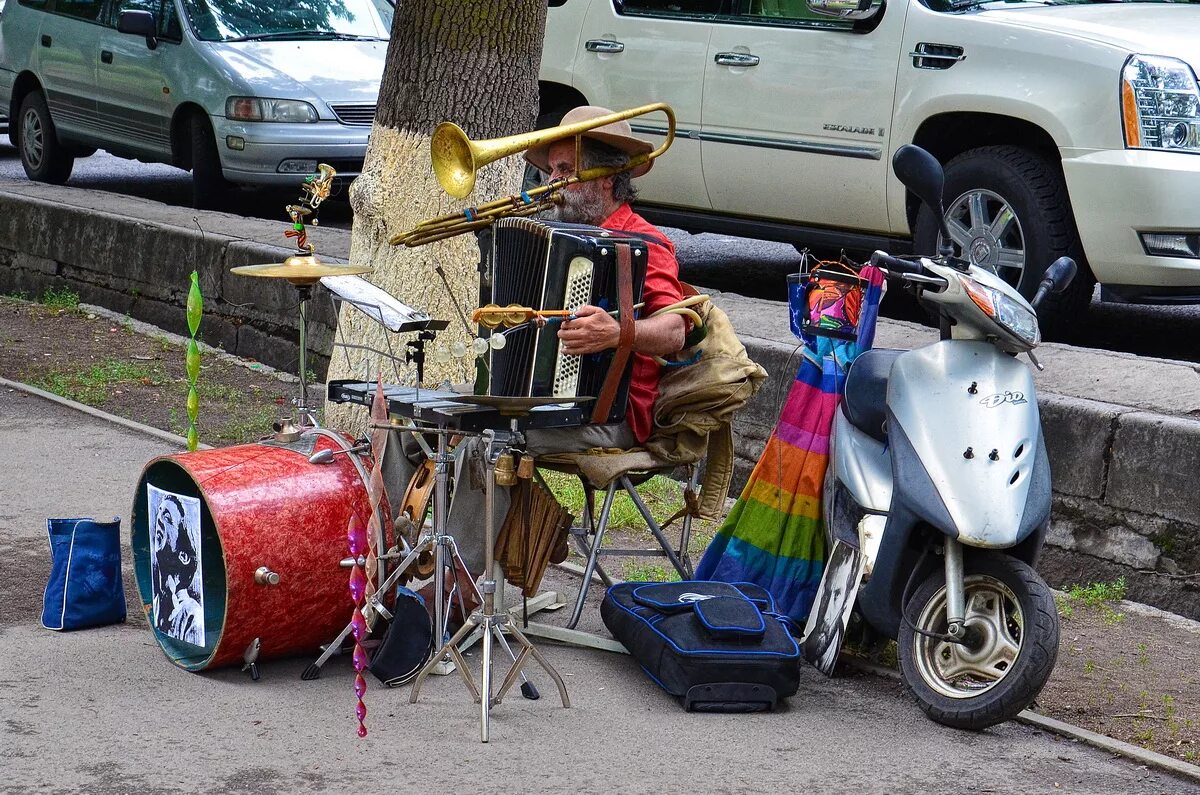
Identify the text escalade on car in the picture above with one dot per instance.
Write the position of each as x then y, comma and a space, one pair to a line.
1065, 127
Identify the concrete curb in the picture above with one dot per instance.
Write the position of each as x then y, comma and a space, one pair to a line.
1063, 729
98, 414
1127, 750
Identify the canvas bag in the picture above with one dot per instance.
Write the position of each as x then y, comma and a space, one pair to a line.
84, 589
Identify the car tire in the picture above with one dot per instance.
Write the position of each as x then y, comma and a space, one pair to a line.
1025, 192
210, 189
43, 156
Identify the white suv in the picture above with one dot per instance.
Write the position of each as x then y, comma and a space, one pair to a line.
1065, 127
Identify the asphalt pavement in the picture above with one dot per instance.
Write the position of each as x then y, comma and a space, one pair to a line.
103, 711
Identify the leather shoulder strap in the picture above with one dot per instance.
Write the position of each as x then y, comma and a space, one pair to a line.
616, 369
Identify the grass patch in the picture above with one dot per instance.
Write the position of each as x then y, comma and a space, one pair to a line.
662, 496
91, 385
248, 427
648, 572
60, 298
1097, 595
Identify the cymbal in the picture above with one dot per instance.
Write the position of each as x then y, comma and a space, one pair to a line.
300, 270
515, 406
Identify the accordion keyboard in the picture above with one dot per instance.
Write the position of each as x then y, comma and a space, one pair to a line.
552, 265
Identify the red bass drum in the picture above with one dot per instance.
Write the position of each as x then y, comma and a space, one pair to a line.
244, 544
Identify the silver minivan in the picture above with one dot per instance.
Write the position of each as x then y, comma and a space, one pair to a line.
251, 92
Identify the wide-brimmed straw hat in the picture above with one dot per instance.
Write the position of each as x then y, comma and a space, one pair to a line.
617, 134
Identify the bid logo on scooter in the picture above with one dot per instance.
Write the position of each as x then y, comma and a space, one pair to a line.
1000, 398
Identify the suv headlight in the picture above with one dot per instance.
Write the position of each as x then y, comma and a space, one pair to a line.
1160, 104
259, 109
1002, 309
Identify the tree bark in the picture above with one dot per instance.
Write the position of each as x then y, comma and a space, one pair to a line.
473, 62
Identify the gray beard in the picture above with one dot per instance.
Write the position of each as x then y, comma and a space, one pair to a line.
579, 206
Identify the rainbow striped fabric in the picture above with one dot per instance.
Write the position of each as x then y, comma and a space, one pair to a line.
775, 536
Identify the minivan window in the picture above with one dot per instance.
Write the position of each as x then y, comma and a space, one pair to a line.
251, 20
164, 14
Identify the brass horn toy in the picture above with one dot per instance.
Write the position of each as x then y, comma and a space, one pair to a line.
457, 160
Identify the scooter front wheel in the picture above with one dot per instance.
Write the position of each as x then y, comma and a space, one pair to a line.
1012, 644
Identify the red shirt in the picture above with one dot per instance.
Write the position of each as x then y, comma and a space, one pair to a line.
661, 289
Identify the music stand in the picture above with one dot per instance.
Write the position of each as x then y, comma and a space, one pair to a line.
487, 622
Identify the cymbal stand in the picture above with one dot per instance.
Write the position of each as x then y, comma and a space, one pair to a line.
305, 416
487, 621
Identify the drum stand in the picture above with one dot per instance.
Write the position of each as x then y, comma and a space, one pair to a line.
487, 622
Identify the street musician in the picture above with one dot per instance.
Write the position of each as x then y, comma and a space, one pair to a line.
603, 202
606, 203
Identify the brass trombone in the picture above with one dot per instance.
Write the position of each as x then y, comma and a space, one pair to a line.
457, 159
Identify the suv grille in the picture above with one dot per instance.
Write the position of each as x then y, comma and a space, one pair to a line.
355, 114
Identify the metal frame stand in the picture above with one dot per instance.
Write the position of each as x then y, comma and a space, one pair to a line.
487, 622
437, 540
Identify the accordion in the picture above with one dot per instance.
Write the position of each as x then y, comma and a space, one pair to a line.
553, 265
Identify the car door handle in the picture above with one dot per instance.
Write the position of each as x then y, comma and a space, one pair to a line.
46, 41
604, 45
106, 56
736, 59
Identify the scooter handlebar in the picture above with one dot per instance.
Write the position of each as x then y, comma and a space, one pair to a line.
894, 265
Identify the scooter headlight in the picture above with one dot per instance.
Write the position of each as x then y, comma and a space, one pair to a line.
1004, 311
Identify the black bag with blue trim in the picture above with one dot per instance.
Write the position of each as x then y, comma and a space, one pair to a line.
717, 646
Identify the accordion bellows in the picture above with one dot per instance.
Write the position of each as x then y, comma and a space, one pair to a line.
551, 265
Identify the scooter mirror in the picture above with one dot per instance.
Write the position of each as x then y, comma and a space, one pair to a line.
1060, 273
922, 174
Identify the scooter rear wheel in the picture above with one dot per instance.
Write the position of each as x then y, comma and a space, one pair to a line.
1012, 623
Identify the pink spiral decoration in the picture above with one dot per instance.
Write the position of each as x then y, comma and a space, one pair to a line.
356, 537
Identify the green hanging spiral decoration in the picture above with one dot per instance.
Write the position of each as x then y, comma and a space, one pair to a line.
194, 310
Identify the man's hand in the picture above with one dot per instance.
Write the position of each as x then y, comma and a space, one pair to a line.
592, 330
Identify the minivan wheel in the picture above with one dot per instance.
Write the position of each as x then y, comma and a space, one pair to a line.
43, 157
210, 189
1009, 212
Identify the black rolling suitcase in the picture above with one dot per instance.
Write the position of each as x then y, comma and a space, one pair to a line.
717, 646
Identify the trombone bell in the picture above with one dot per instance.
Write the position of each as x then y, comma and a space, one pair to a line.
454, 159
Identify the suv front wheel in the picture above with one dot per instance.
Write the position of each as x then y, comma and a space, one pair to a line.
1008, 211
43, 157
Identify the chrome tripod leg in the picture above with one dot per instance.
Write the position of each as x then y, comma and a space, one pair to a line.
527, 688
448, 649
485, 675
520, 638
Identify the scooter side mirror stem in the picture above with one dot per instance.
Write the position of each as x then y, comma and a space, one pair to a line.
1060, 274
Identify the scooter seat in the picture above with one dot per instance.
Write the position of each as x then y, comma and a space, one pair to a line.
866, 391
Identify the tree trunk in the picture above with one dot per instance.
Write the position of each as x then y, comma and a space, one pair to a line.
473, 62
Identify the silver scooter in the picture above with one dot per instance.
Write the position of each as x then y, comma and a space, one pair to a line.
938, 475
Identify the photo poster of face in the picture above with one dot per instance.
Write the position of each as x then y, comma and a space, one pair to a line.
176, 571
830, 614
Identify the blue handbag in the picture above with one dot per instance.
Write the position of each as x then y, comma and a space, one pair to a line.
85, 588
